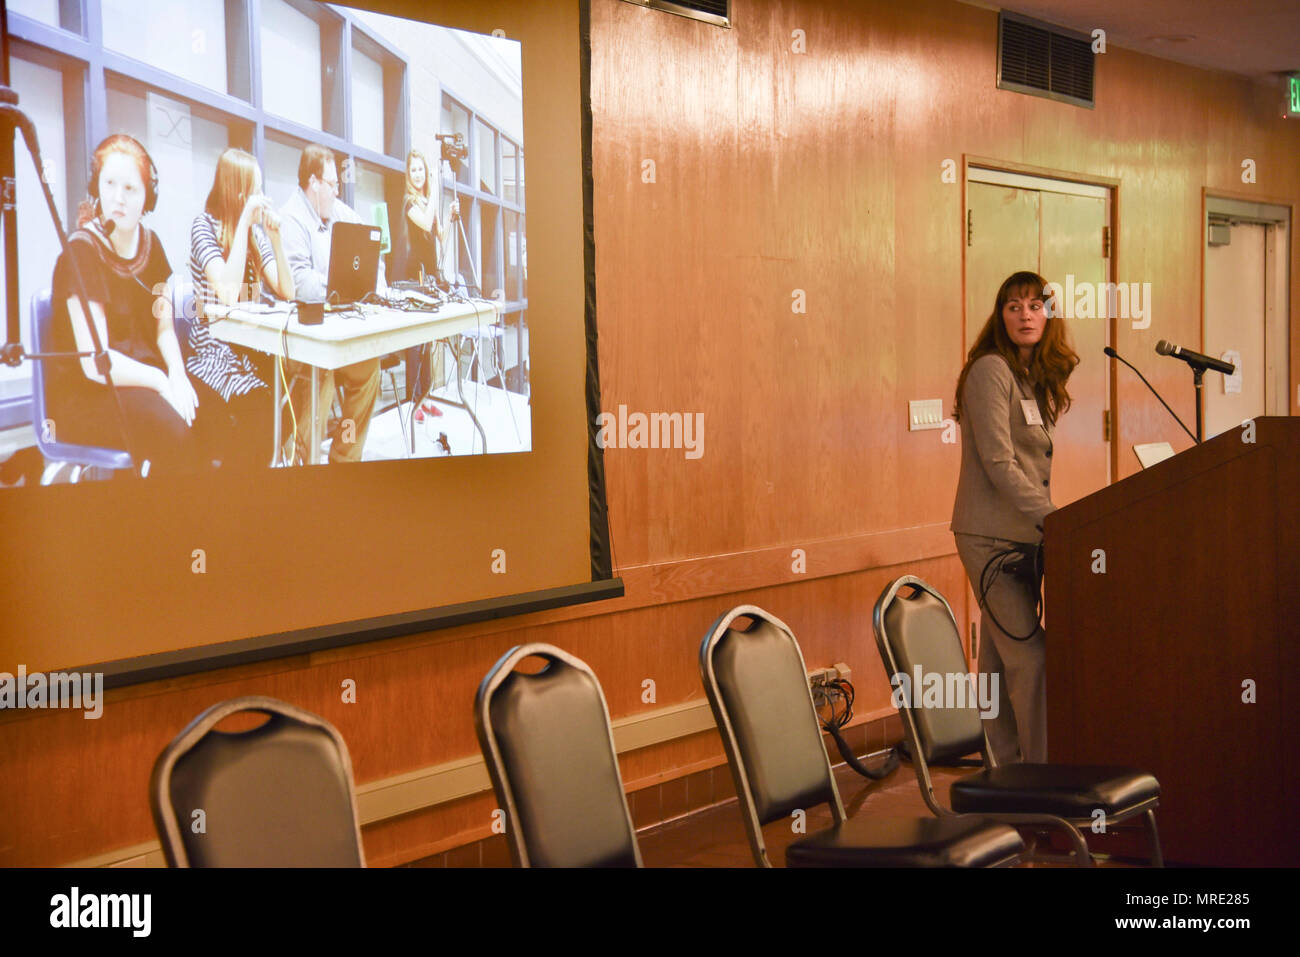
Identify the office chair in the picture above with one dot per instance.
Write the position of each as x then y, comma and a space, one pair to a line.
57, 453
549, 749
279, 795
184, 314
920, 631
757, 686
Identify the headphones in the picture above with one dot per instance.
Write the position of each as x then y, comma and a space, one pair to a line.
150, 185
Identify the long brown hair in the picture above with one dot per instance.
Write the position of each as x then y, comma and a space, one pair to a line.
234, 182
1052, 359
411, 191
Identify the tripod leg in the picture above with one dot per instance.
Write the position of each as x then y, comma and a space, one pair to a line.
501, 374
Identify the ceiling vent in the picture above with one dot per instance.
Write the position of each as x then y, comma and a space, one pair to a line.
1044, 60
716, 12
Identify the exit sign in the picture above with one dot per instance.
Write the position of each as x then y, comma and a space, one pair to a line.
1292, 89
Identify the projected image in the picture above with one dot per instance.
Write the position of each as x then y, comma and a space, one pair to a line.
299, 245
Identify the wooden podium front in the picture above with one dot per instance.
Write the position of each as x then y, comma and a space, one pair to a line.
1152, 662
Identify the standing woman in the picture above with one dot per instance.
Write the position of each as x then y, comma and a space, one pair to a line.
1009, 396
235, 252
425, 235
125, 271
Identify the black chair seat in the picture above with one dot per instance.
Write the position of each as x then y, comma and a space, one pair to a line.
865, 841
1064, 790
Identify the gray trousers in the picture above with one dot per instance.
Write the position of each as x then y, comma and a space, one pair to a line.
1019, 732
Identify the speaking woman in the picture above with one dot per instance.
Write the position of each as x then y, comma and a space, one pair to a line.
1009, 396
424, 235
235, 252
125, 272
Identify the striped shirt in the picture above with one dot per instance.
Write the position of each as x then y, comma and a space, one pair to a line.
229, 372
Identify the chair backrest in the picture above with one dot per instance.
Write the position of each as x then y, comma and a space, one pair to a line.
278, 795
919, 645
757, 686
549, 749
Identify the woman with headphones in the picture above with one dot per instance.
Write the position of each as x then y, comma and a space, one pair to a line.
1009, 395
125, 272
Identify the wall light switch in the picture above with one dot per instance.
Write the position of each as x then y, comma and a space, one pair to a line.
924, 414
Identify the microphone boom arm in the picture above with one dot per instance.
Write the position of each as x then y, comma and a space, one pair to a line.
1115, 355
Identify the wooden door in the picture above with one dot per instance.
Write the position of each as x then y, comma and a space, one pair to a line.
1017, 222
1002, 226
1071, 243
1234, 321
1055, 230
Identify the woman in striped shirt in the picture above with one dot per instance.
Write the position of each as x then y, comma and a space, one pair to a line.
235, 256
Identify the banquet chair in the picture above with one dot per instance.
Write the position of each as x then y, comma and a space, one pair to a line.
549, 749
757, 686
918, 630
278, 795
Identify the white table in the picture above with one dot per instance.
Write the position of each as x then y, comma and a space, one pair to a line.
344, 338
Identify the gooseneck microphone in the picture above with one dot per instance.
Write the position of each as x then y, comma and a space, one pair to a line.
1115, 355
1195, 359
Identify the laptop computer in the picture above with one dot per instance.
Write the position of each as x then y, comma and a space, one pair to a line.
354, 261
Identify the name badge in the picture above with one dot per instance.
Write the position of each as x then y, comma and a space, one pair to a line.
1030, 407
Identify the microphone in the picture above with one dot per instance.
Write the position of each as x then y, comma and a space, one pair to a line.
108, 225
1194, 359
1115, 355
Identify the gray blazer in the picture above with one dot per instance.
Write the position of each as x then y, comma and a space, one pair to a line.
1004, 490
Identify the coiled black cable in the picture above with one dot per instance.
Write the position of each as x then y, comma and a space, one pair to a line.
840, 687
1024, 564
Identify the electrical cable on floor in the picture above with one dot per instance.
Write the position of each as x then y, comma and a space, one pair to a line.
841, 688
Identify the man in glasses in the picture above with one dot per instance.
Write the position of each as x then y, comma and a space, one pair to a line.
307, 219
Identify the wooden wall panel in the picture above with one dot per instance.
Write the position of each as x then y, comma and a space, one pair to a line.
774, 171
82, 784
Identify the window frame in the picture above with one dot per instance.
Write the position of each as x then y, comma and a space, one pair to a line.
86, 64
514, 304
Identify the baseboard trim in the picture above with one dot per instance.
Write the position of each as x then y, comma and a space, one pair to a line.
438, 784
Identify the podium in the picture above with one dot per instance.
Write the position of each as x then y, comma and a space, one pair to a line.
1172, 611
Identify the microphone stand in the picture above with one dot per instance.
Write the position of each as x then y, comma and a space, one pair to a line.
1200, 365
469, 259
460, 225
12, 353
1198, 373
